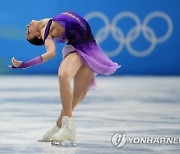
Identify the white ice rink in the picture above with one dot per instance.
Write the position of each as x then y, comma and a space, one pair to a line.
138, 106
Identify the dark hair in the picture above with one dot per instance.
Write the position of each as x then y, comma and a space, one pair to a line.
36, 41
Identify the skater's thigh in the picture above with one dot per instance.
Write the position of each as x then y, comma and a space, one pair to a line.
70, 65
83, 77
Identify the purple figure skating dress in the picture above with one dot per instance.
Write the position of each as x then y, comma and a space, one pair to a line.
79, 38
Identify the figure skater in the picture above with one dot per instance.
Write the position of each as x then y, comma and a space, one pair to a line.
82, 60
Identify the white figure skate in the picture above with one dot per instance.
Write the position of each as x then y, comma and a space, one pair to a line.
47, 137
66, 133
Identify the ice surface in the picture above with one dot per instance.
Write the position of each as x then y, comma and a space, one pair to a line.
138, 106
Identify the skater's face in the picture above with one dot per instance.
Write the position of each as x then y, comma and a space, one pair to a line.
31, 29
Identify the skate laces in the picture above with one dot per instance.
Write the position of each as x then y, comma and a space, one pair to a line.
66, 122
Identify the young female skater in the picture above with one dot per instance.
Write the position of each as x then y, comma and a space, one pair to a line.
82, 60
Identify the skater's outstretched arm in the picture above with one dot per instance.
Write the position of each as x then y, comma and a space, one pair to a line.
50, 53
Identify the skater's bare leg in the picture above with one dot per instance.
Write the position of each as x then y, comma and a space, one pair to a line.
82, 82
67, 70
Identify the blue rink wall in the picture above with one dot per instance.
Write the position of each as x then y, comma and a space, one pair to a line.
141, 35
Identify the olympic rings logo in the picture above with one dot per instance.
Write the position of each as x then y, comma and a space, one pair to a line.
133, 33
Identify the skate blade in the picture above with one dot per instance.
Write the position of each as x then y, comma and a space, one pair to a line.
60, 144
56, 143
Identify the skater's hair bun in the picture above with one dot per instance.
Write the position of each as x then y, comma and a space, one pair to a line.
36, 41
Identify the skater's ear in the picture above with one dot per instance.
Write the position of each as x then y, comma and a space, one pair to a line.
39, 35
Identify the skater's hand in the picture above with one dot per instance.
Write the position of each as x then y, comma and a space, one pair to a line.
15, 63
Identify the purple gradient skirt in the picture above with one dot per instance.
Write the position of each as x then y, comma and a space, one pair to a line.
94, 59
80, 39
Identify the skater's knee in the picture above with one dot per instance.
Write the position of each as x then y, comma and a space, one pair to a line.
63, 75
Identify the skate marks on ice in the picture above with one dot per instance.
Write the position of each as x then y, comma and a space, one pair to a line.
139, 106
